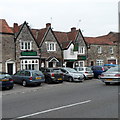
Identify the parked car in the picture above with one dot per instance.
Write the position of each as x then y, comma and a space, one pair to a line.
28, 77
71, 74
52, 75
86, 71
110, 65
111, 76
98, 70
6, 81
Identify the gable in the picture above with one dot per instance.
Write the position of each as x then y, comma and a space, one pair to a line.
25, 34
80, 39
49, 37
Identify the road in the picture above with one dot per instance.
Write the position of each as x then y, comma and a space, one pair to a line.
90, 99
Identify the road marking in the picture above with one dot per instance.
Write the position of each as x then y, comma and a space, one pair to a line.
53, 109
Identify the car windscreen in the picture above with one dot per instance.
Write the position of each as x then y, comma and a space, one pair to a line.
88, 69
70, 70
4, 76
114, 69
37, 73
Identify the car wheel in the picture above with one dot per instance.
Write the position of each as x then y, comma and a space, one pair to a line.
70, 79
39, 84
24, 83
107, 83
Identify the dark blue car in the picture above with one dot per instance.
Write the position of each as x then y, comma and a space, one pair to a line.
28, 77
6, 81
98, 70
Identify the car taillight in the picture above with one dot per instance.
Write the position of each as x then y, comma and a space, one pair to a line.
103, 69
10, 79
101, 75
52, 74
117, 75
30, 78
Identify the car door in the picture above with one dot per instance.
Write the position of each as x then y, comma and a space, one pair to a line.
16, 76
65, 74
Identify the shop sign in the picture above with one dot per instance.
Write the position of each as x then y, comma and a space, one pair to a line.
29, 53
81, 57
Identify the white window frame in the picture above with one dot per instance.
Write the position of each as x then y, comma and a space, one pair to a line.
51, 46
26, 45
81, 50
33, 64
99, 49
111, 50
99, 62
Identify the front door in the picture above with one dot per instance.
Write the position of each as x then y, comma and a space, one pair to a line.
10, 68
50, 64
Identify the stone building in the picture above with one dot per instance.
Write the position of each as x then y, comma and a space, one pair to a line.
7, 48
74, 47
26, 49
50, 48
102, 50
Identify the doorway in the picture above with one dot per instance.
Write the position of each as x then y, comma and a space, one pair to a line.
69, 64
10, 68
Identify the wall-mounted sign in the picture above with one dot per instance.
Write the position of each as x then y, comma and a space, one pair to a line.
81, 57
29, 53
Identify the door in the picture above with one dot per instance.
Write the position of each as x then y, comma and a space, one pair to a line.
10, 68
50, 64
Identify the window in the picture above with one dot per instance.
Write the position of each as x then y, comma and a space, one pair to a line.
99, 49
26, 45
99, 62
81, 50
51, 46
111, 50
30, 64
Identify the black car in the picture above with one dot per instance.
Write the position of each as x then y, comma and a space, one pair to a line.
52, 75
6, 81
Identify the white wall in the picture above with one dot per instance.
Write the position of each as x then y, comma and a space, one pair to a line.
67, 53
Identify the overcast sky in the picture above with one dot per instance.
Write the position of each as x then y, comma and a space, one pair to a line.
93, 17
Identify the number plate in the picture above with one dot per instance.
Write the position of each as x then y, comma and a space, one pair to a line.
5, 79
59, 78
38, 78
109, 79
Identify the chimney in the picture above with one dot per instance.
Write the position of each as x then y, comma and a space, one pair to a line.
15, 28
73, 29
48, 25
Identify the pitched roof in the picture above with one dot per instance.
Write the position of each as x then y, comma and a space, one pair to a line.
39, 35
4, 27
108, 39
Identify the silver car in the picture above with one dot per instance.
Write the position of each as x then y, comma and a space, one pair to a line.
112, 75
71, 74
86, 71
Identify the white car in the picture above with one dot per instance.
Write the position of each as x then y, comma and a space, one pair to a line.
86, 71
71, 74
112, 75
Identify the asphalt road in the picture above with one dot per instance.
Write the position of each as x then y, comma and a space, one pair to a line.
90, 99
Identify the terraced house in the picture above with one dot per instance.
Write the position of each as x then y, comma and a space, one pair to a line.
23, 47
103, 49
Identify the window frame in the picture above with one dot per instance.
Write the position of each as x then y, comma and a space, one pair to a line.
26, 45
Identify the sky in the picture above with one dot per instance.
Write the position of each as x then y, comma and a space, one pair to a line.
93, 17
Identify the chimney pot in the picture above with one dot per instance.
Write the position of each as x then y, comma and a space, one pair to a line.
48, 25
73, 29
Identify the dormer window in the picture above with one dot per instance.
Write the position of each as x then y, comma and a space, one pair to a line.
51, 46
26, 45
99, 49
